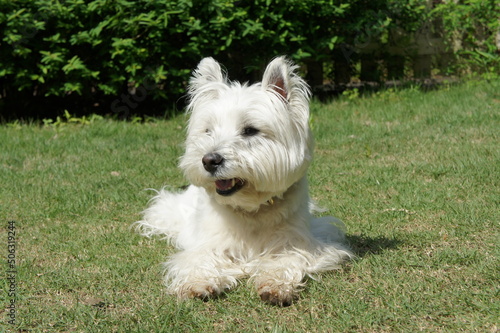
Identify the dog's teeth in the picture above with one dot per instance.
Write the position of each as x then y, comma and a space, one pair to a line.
233, 182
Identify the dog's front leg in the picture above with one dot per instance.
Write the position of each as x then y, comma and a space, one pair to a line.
200, 273
279, 280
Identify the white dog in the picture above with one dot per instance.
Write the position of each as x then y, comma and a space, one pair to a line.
247, 212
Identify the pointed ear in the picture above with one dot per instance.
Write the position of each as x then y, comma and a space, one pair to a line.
206, 78
277, 77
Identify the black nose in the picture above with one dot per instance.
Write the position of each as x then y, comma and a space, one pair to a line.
212, 161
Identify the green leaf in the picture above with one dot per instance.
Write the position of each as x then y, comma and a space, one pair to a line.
70, 87
49, 57
73, 64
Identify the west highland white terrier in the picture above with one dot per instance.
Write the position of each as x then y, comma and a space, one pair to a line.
248, 211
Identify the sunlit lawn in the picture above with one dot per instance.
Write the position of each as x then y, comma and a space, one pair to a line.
414, 176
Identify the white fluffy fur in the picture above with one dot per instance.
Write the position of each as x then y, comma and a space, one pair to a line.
264, 231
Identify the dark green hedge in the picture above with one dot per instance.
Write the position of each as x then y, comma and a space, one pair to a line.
125, 57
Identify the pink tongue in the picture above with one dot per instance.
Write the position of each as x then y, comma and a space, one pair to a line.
224, 184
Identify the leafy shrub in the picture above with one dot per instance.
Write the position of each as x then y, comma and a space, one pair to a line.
70, 47
118, 53
475, 24
124, 57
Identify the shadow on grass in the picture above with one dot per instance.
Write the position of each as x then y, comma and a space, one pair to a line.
364, 245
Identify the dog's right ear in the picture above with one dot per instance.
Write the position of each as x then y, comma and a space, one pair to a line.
206, 79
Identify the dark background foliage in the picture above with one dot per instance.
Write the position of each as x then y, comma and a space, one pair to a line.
126, 58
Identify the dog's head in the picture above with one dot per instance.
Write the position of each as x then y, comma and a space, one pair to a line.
247, 144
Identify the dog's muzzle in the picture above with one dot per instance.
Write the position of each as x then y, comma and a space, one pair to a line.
212, 162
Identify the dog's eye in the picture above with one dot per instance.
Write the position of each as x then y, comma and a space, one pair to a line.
250, 131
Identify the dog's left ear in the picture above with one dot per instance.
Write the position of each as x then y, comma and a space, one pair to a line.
277, 77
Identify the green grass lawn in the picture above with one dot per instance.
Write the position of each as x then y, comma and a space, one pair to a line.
414, 176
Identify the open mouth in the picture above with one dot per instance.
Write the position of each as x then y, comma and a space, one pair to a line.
227, 187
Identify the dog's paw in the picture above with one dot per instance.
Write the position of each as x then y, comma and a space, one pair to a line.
283, 295
205, 290
201, 291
